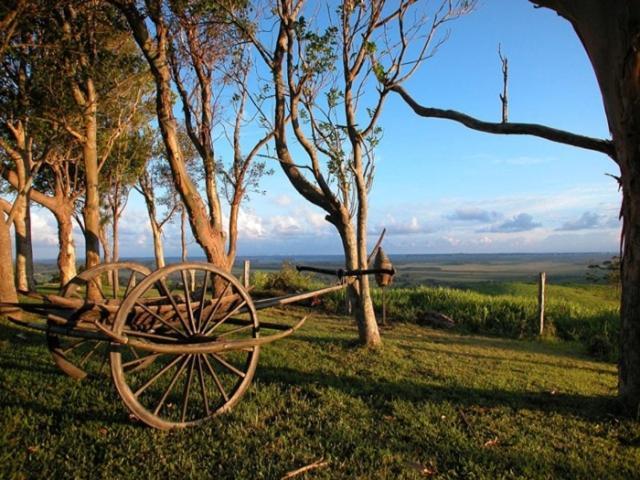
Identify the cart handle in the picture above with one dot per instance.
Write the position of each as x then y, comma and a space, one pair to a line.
341, 272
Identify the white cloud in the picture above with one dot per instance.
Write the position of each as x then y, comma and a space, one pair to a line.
282, 200
44, 231
523, 222
473, 214
250, 225
587, 220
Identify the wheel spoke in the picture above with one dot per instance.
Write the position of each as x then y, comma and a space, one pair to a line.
140, 360
187, 387
165, 289
130, 283
133, 351
215, 378
213, 312
97, 285
89, 354
115, 283
202, 386
164, 370
104, 362
171, 384
74, 346
159, 318
187, 299
203, 295
226, 317
229, 367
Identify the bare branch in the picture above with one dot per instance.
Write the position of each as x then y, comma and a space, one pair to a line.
555, 135
504, 96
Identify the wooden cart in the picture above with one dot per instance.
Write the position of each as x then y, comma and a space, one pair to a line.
183, 341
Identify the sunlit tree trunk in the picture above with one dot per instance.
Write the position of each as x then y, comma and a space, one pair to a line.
66, 245
7, 286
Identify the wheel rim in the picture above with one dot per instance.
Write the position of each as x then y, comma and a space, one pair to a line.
186, 303
79, 357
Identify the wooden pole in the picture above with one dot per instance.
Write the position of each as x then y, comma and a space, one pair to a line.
246, 272
541, 285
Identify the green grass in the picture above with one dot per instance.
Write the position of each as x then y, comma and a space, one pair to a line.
458, 406
587, 295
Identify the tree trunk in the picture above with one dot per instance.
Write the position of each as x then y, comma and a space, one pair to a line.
183, 233
115, 254
7, 286
156, 52
24, 278
67, 247
8, 291
146, 189
158, 249
91, 211
610, 34
359, 293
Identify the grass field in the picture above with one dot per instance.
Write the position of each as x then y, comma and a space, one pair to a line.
429, 404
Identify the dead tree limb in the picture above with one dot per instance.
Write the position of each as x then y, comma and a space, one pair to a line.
504, 96
534, 129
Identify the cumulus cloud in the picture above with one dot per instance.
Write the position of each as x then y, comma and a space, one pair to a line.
285, 225
474, 215
250, 225
398, 227
282, 200
43, 230
522, 222
586, 221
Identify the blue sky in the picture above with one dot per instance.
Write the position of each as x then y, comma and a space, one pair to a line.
441, 188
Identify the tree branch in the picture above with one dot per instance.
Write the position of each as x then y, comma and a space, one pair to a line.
536, 130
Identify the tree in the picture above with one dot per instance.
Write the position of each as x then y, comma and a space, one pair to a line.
8, 293
104, 77
189, 43
322, 79
35, 150
146, 186
609, 33
607, 272
123, 168
17, 139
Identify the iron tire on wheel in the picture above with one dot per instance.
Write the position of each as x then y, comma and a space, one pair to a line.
189, 304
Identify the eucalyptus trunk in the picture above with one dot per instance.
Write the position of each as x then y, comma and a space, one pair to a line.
91, 210
359, 291
24, 277
8, 292
158, 248
67, 248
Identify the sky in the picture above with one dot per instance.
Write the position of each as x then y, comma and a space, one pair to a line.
440, 187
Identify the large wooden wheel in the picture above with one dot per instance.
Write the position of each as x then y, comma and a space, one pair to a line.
187, 305
79, 357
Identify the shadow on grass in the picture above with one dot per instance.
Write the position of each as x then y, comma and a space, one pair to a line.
76, 413
526, 361
478, 340
18, 336
377, 392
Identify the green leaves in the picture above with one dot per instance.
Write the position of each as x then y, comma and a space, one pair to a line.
319, 54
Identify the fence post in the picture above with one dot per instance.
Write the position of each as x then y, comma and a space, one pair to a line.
246, 273
541, 285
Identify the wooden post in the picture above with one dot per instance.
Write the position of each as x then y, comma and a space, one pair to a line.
246, 273
541, 285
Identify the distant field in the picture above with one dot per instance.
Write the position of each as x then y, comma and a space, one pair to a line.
454, 269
